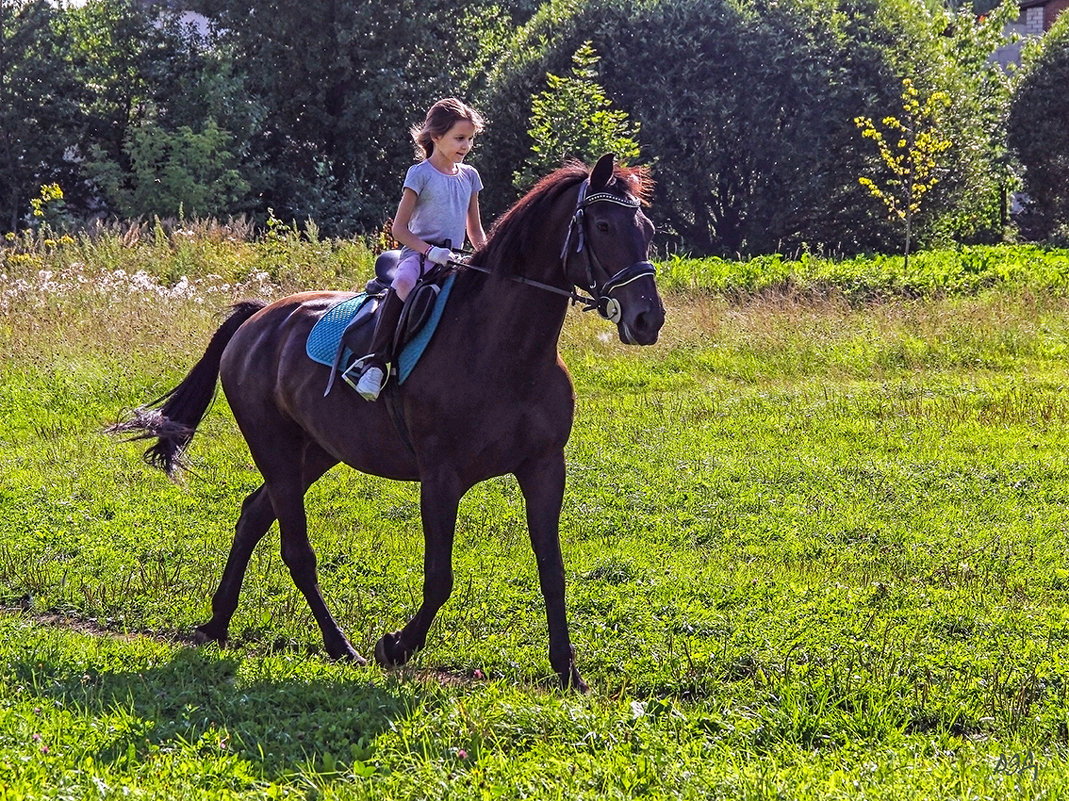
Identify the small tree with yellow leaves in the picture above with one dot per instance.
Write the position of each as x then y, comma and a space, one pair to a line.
910, 149
49, 212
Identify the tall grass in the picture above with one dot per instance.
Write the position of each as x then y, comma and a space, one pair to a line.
815, 542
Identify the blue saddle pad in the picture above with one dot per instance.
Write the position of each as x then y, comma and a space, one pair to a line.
325, 335
323, 340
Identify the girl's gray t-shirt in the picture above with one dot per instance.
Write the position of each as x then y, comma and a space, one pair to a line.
441, 211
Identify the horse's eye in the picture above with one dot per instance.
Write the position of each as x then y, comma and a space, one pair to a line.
603, 226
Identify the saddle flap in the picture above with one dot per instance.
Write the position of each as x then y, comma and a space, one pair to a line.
345, 331
417, 310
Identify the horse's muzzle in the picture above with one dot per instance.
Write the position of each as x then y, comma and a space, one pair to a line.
630, 300
644, 327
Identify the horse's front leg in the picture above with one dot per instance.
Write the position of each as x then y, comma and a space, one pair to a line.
439, 500
542, 484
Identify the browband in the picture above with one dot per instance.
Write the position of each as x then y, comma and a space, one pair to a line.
607, 197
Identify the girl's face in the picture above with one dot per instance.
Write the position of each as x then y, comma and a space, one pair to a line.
454, 144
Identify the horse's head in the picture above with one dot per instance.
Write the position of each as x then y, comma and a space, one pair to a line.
606, 251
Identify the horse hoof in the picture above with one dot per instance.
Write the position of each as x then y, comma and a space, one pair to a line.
352, 656
571, 681
577, 684
388, 652
567, 672
203, 636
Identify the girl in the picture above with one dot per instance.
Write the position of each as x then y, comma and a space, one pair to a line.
439, 203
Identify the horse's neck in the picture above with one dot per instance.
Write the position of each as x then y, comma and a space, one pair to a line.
523, 319
514, 320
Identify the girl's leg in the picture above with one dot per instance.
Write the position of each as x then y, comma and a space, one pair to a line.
373, 375
406, 275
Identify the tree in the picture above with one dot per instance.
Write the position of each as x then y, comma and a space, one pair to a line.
172, 173
339, 85
39, 115
114, 49
911, 157
159, 127
572, 119
971, 197
745, 107
1038, 134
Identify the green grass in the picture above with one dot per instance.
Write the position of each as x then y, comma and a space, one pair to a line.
965, 270
816, 546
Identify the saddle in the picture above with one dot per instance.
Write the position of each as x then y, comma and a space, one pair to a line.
418, 309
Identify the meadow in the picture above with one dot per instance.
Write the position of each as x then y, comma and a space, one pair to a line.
815, 540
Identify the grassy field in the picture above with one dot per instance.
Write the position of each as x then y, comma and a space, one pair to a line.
816, 543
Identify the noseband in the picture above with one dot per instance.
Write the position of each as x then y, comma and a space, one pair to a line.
607, 305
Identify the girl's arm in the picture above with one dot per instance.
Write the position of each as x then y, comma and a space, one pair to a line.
475, 223
401, 220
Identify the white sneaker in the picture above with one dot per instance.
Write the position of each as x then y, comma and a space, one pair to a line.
370, 384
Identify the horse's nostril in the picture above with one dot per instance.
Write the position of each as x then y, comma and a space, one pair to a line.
646, 322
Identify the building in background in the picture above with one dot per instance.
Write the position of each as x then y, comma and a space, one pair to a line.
1035, 19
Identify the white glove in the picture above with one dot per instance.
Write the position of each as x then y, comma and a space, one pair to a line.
439, 255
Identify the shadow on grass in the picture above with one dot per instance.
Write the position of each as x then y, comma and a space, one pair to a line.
272, 712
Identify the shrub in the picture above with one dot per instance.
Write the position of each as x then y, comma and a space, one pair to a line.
1038, 134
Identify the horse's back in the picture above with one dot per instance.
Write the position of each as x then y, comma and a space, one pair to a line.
484, 419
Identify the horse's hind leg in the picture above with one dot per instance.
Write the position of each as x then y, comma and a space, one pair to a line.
287, 486
256, 518
257, 515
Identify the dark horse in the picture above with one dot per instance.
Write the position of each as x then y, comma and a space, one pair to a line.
490, 396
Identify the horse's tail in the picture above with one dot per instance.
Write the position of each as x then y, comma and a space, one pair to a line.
173, 417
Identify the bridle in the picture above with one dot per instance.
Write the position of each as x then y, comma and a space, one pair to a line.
607, 306
600, 298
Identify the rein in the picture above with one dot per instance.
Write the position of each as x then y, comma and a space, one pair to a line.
575, 297
607, 306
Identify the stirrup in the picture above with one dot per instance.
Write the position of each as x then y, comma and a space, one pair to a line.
354, 373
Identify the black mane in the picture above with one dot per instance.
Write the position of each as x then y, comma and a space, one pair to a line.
511, 235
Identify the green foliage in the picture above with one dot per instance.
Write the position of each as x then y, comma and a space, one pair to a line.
172, 173
339, 85
930, 274
50, 212
573, 119
745, 109
155, 139
114, 49
39, 98
970, 203
911, 158
742, 165
1038, 134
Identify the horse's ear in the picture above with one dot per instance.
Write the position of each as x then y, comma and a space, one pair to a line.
602, 172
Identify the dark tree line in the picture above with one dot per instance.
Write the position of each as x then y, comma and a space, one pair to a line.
744, 109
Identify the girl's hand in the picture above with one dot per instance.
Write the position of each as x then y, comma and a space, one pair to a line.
439, 255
